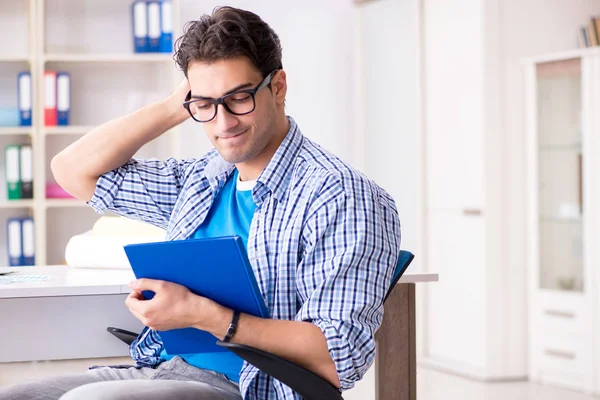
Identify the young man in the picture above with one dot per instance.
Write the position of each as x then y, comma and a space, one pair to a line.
322, 239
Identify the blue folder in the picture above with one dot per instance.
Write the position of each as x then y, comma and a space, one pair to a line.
216, 268
24, 94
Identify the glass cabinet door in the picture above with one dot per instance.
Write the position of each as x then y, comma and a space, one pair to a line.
560, 174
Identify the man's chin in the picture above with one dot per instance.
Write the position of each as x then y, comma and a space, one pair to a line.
234, 157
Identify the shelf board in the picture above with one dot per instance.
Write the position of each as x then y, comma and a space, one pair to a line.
16, 130
8, 204
564, 220
14, 58
67, 130
561, 147
109, 58
65, 203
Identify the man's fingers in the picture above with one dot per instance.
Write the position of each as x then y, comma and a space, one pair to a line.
147, 284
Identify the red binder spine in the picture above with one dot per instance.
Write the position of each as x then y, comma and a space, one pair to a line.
50, 115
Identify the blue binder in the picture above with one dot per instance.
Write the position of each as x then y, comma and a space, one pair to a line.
166, 27
216, 268
24, 94
27, 241
14, 242
139, 22
63, 98
154, 26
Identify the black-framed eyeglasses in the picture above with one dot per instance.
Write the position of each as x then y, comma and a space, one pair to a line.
242, 102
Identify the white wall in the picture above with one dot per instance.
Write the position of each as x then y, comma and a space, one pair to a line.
353, 81
387, 105
317, 41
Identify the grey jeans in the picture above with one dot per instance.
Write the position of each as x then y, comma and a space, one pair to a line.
174, 379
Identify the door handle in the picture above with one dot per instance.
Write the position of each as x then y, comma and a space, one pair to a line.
474, 212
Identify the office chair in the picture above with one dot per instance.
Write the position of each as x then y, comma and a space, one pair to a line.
306, 383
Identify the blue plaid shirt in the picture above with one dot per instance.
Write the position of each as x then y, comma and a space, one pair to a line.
323, 243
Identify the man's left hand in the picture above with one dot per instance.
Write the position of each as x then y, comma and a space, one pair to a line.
173, 306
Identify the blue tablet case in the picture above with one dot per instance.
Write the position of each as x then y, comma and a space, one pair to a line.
216, 268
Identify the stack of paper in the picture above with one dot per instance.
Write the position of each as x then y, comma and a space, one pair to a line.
102, 247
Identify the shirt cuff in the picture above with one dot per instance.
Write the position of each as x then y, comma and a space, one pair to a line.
340, 352
106, 190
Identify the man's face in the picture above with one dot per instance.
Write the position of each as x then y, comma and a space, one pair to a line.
238, 138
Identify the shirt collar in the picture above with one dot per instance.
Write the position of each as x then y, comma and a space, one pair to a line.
274, 178
278, 173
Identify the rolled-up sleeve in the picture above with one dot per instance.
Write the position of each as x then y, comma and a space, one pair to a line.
351, 246
142, 189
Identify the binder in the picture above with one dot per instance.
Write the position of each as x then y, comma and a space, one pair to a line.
166, 27
24, 93
50, 98
28, 241
12, 172
26, 171
217, 268
63, 98
14, 242
139, 16
154, 26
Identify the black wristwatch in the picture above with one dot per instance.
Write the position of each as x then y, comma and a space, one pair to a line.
232, 326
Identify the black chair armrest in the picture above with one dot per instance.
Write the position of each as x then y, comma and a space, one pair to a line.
126, 336
306, 383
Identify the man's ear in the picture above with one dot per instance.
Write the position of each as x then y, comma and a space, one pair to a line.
279, 86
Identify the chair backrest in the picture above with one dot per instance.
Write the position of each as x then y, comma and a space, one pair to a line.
404, 260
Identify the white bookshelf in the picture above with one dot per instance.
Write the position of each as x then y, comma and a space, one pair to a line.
7, 58
17, 130
10, 204
92, 41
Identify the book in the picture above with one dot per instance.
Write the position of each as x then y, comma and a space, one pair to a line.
216, 268
593, 34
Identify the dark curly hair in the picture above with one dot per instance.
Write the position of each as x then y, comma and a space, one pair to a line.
227, 33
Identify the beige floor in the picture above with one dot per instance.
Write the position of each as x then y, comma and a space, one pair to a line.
433, 385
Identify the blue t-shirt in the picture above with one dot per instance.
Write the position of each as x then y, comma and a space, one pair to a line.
231, 214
